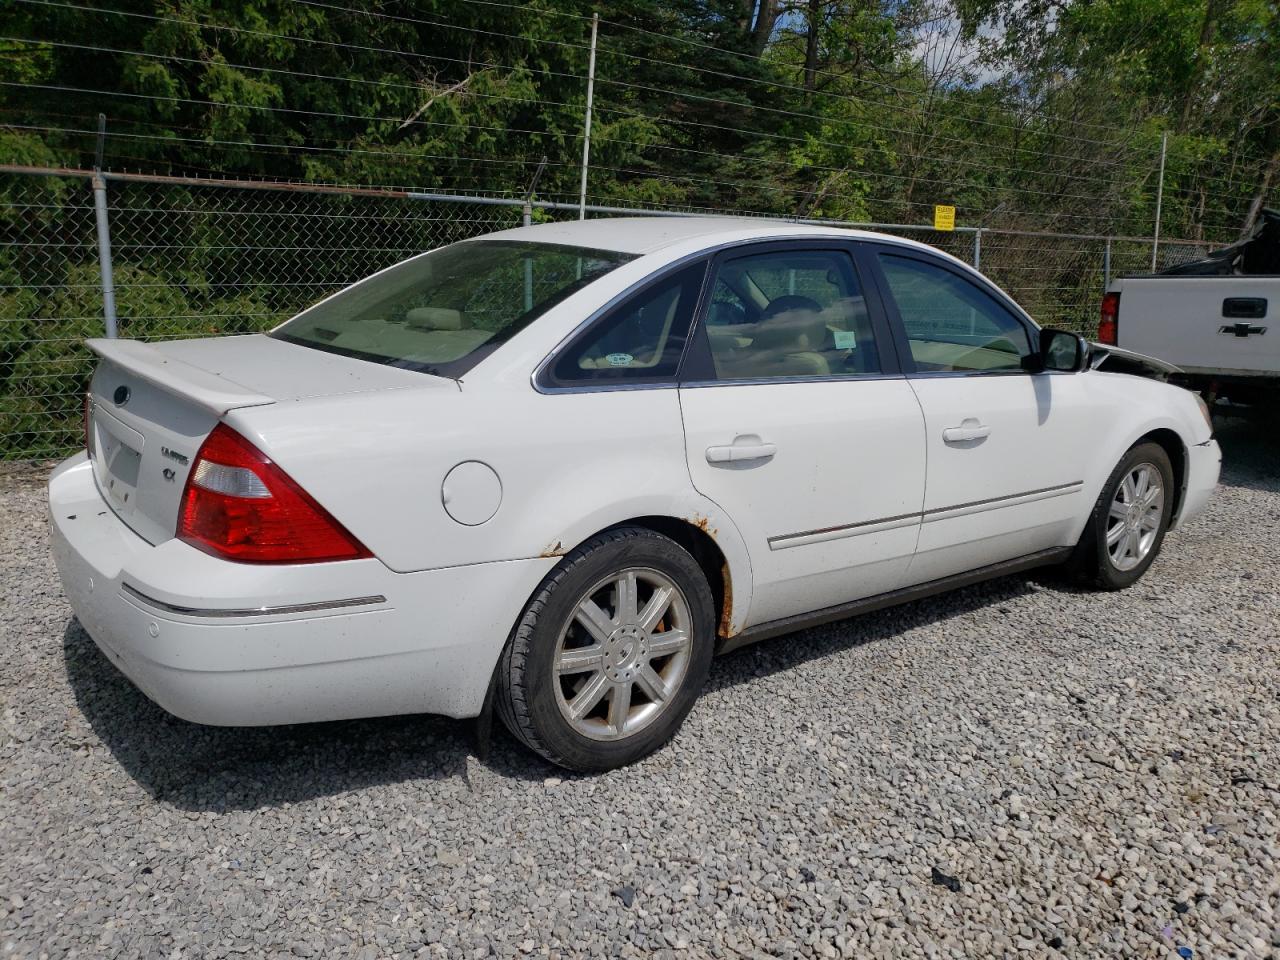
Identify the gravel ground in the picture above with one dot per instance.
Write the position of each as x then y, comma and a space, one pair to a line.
1018, 768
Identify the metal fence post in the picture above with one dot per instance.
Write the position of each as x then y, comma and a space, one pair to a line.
528, 262
586, 128
977, 249
1155, 236
104, 235
533, 186
1106, 266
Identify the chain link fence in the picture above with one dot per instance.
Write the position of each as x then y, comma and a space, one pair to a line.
188, 261
1059, 278
199, 258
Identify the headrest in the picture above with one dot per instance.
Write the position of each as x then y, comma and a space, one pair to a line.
790, 302
434, 318
726, 314
792, 324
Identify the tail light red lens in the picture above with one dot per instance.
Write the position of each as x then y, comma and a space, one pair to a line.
1109, 323
239, 505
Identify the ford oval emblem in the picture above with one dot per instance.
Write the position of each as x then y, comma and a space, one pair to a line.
122, 395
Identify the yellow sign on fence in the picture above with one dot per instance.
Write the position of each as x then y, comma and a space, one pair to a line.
944, 217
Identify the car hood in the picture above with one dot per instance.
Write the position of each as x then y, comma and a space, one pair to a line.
1110, 359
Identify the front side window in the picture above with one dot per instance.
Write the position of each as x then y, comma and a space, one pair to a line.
790, 314
639, 341
951, 323
443, 312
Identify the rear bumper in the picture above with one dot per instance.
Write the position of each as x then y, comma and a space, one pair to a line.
241, 645
1204, 463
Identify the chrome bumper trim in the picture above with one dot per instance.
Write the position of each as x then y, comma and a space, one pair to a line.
251, 611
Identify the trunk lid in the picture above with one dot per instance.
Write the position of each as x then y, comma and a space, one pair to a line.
152, 405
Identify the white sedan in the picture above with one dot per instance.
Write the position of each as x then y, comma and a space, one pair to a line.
554, 470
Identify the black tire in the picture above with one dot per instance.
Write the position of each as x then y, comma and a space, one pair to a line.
1091, 561
525, 695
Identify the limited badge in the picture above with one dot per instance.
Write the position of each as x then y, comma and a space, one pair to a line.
619, 359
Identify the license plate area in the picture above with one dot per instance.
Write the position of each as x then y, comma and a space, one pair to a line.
117, 460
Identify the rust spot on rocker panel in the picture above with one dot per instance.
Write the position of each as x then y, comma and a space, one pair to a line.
727, 627
555, 550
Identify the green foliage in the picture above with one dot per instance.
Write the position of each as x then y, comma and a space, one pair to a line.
1203, 71
1046, 115
853, 110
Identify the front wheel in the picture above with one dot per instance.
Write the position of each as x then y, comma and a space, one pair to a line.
1127, 527
610, 653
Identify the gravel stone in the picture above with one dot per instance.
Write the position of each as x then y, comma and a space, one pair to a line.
626, 894
941, 879
1100, 771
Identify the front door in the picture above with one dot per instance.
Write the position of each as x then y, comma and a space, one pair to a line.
799, 425
1007, 448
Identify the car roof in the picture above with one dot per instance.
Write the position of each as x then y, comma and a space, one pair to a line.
642, 235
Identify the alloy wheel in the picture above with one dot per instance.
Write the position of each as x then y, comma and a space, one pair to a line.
1133, 520
624, 654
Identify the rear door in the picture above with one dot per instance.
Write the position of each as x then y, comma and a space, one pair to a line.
799, 424
1007, 449
1212, 324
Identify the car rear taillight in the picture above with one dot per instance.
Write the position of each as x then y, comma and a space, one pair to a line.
1109, 323
239, 505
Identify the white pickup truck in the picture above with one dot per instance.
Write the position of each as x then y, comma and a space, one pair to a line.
1217, 319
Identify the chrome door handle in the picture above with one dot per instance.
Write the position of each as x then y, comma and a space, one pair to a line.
969, 429
752, 449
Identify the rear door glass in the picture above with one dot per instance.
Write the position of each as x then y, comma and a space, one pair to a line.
788, 313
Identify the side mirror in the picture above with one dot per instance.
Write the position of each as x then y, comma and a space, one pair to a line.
1063, 350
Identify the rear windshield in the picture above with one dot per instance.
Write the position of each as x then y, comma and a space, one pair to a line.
445, 311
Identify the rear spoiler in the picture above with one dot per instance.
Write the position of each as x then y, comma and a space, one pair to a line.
207, 390
1100, 353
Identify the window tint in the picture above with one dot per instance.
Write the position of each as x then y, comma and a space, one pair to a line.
951, 323
640, 341
790, 314
444, 311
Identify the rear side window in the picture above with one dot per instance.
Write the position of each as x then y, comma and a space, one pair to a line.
639, 341
951, 323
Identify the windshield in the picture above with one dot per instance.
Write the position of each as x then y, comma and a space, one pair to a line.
445, 311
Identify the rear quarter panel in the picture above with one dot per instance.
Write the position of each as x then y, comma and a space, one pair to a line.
570, 465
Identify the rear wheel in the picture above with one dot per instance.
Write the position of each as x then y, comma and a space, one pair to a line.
1129, 520
611, 652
